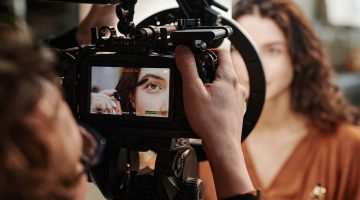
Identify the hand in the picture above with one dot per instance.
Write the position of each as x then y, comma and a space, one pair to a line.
215, 112
104, 102
99, 15
216, 107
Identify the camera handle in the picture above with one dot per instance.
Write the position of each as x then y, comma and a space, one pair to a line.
174, 177
126, 8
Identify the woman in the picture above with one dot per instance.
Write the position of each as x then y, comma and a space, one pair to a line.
139, 91
306, 139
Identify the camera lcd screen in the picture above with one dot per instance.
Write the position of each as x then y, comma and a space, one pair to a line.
130, 91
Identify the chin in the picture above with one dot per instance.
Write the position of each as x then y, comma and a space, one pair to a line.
277, 95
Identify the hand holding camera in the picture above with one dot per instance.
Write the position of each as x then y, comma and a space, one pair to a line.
222, 100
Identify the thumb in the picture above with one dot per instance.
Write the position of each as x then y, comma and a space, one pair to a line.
186, 64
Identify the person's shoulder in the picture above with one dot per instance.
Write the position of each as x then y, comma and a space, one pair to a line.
346, 141
344, 138
347, 149
344, 132
348, 132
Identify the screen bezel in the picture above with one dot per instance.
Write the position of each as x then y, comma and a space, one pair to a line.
112, 60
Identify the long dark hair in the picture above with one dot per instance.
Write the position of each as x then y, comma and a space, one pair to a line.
313, 92
126, 88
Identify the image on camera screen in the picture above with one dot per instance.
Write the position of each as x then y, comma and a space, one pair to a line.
131, 91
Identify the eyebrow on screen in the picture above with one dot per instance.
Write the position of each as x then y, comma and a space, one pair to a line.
147, 76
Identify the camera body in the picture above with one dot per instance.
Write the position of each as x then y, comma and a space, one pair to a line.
131, 86
130, 91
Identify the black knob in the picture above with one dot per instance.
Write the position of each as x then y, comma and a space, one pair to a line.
193, 189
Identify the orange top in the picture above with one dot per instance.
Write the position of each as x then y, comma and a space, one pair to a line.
332, 160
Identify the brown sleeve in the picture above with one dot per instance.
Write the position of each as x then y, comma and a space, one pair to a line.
207, 178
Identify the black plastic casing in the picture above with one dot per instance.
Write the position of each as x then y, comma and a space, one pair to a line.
175, 126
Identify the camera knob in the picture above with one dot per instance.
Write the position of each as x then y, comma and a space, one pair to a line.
193, 189
206, 63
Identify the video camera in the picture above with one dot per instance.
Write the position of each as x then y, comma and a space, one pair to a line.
129, 90
145, 97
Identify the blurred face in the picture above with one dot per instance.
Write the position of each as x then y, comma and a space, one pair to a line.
69, 129
272, 47
152, 97
66, 132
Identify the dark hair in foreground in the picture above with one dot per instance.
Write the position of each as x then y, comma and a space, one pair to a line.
313, 92
28, 167
126, 87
